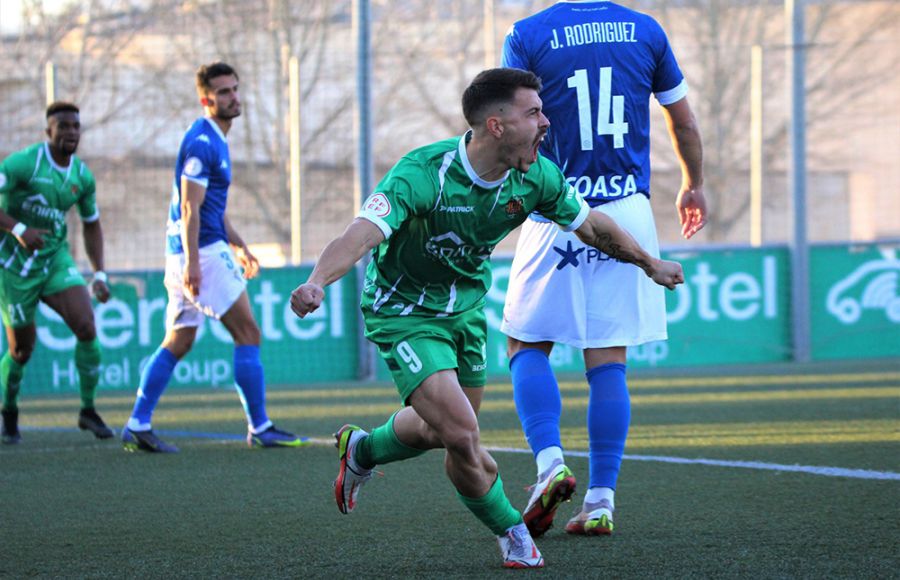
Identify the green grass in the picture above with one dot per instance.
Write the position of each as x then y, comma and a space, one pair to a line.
79, 508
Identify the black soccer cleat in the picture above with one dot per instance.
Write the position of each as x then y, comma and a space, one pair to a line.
89, 420
10, 433
145, 441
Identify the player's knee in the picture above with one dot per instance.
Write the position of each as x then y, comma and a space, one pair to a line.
21, 353
461, 441
84, 330
248, 334
179, 345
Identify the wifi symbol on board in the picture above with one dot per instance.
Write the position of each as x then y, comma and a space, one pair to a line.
880, 293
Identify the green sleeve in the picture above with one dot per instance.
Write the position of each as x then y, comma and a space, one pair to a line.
559, 201
15, 171
87, 202
407, 190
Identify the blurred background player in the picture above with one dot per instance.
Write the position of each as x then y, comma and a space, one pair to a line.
202, 274
433, 222
599, 63
38, 185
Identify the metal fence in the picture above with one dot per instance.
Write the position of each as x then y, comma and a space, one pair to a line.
130, 66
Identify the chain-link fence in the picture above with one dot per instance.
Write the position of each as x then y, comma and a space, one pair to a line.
130, 66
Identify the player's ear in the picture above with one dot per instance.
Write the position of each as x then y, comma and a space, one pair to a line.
494, 126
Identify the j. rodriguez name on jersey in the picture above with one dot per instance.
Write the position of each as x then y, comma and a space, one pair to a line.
593, 33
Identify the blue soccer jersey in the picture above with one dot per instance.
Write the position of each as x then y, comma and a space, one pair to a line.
204, 159
599, 63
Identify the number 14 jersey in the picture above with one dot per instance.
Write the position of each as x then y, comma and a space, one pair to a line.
599, 63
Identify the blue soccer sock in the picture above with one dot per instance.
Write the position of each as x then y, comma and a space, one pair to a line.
608, 417
154, 379
251, 386
536, 394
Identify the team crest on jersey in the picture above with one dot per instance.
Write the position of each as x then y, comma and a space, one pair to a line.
378, 205
74, 190
193, 167
514, 207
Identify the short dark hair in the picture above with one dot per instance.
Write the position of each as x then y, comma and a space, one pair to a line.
61, 107
208, 72
493, 86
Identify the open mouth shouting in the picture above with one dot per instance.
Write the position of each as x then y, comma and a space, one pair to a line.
536, 146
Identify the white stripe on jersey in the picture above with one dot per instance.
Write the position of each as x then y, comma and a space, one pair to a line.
27, 265
673, 95
379, 302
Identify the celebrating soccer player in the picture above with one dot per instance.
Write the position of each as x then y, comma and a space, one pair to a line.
38, 185
433, 222
202, 276
599, 63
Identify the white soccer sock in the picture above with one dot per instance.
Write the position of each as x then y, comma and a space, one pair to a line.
135, 425
597, 494
547, 457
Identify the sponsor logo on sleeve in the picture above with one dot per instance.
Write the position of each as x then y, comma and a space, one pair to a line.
193, 167
378, 205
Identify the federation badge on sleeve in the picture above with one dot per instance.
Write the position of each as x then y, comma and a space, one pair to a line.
2, 180
378, 205
193, 167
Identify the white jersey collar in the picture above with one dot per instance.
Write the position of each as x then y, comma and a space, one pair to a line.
216, 128
53, 163
468, 166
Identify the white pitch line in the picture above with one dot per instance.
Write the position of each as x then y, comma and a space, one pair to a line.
811, 469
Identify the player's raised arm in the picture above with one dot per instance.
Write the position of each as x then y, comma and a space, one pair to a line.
601, 231
336, 260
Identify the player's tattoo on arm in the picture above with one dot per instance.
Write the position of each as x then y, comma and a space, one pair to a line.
617, 250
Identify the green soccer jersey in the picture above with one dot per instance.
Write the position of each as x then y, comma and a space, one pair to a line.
37, 192
441, 223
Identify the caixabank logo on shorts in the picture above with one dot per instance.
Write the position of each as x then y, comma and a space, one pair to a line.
575, 256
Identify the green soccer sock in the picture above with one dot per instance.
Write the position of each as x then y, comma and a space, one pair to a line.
493, 509
10, 380
87, 361
383, 446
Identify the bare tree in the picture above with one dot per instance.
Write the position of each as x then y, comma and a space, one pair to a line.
846, 60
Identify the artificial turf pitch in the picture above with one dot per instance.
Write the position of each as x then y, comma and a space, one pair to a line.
75, 507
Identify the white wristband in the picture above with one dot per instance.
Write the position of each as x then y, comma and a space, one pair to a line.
18, 229
100, 276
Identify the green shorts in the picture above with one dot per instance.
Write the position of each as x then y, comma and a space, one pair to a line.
415, 347
19, 297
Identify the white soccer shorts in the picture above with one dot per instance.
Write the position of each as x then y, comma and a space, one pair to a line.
564, 291
221, 284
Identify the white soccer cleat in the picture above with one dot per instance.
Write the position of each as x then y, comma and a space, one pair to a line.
518, 549
351, 476
592, 520
557, 486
